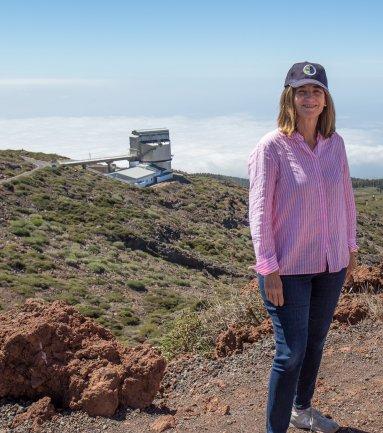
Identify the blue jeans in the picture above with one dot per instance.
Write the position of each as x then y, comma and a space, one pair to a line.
300, 328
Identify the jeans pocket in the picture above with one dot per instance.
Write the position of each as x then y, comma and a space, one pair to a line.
269, 306
261, 288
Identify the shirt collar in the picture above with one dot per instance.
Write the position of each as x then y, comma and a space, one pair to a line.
300, 137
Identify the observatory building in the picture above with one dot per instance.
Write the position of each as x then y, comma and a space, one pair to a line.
152, 161
149, 159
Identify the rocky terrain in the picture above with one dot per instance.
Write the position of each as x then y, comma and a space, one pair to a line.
228, 394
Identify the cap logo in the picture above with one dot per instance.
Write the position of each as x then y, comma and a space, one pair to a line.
309, 70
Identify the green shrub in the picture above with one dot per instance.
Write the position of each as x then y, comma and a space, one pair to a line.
114, 297
151, 214
20, 228
149, 330
26, 291
90, 311
36, 220
38, 239
180, 282
72, 261
199, 305
119, 245
70, 298
37, 280
110, 323
128, 318
94, 249
17, 265
187, 335
21, 193
80, 238
42, 201
75, 250
97, 267
138, 286
99, 302
9, 186
24, 210
75, 286
163, 300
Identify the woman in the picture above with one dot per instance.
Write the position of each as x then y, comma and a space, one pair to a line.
303, 225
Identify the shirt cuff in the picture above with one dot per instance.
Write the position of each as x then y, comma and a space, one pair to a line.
352, 246
266, 266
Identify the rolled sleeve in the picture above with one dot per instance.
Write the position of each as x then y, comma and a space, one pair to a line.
263, 172
350, 205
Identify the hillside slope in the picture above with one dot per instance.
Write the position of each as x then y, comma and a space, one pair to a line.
129, 257
126, 256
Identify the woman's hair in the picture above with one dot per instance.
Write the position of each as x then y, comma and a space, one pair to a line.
287, 118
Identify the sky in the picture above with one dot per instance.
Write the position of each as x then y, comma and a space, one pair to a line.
76, 77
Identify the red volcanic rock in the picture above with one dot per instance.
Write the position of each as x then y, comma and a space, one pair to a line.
350, 310
366, 277
163, 423
213, 404
232, 340
52, 350
38, 412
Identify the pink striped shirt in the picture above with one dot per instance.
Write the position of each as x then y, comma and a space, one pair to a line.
301, 205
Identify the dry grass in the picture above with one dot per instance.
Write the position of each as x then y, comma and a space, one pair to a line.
374, 303
240, 308
197, 331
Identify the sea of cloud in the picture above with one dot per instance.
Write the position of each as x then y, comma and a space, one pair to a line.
219, 144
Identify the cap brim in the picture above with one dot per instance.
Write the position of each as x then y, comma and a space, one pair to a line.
307, 81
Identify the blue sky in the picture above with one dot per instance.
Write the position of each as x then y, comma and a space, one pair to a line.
200, 59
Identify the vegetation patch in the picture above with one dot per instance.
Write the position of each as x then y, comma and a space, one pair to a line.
136, 285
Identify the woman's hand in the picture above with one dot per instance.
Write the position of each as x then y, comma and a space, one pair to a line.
274, 288
351, 266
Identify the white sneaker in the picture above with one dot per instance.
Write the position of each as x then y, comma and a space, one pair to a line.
312, 419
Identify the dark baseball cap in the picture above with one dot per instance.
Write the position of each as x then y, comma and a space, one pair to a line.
306, 73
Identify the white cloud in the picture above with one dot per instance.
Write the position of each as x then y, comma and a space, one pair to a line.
219, 144
364, 145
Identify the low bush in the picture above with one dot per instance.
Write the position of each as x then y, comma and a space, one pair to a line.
21, 228
90, 311
138, 286
188, 334
128, 318
119, 245
195, 329
97, 267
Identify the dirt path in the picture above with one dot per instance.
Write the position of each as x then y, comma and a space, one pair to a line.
38, 165
349, 387
229, 395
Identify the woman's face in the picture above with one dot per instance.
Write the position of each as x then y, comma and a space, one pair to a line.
309, 101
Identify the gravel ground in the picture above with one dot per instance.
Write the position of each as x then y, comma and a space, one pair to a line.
349, 389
